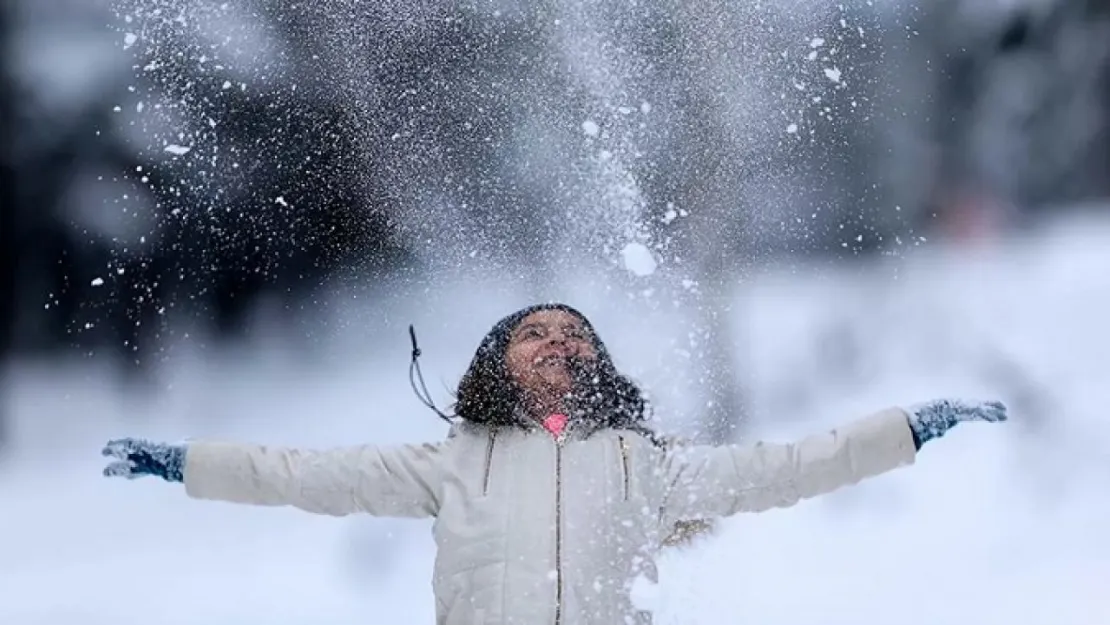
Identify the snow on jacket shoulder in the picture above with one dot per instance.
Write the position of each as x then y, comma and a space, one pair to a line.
530, 530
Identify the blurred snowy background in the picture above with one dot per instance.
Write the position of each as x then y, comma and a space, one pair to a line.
218, 220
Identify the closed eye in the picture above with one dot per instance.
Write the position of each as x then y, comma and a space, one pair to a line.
530, 331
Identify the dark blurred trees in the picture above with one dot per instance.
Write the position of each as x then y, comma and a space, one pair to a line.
1007, 104
279, 208
8, 201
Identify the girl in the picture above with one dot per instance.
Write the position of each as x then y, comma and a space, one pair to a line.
550, 494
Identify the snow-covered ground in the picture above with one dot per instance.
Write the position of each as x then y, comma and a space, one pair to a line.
994, 524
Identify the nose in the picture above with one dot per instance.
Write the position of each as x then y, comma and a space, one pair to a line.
557, 337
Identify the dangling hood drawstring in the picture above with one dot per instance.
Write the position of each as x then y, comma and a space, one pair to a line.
415, 376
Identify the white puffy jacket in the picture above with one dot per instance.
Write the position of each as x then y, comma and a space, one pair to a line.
531, 530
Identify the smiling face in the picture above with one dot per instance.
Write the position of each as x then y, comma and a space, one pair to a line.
541, 348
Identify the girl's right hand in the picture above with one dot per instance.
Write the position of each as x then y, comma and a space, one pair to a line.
137, 458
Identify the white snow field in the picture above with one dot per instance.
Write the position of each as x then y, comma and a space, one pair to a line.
995, 524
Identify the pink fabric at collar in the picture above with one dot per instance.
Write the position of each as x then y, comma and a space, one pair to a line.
555, 423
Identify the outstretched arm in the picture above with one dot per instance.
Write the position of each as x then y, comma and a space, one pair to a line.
708, 481
400, 481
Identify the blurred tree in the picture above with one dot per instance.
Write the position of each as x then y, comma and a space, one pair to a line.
1012, 106
126, 246
8, 201
273, 198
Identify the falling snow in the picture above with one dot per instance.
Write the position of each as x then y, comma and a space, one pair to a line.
638, 259
339, 138
288, 152
195, 59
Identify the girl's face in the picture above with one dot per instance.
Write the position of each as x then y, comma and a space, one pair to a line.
539, 351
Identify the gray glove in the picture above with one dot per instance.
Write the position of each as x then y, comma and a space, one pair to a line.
932, 419
138, 458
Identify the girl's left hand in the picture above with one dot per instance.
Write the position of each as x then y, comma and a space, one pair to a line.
933, 419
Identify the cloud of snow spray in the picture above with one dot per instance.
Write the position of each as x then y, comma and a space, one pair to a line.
609, 65
724, 99
610, 211
782, 71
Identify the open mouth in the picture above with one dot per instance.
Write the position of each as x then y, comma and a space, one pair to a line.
551, 360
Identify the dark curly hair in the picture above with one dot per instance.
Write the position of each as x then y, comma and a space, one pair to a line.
606, 398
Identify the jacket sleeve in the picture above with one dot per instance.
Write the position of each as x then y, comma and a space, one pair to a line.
401, 481
714, 481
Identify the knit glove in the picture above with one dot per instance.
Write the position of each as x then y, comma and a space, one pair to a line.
137, 458
931, 419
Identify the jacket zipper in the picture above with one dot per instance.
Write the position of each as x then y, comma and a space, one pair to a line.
489, 462
625, 469
558, 531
